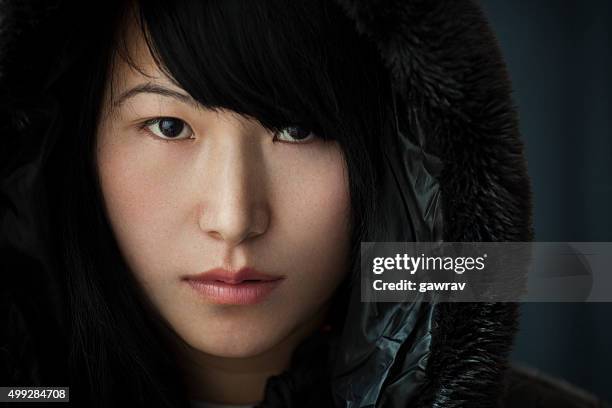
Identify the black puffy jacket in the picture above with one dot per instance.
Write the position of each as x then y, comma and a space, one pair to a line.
456, 172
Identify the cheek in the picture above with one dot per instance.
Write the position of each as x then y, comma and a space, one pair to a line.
139, 199
314, 214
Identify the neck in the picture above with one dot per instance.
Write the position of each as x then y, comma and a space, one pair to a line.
240, 380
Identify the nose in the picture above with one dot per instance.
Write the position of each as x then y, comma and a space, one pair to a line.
235, 207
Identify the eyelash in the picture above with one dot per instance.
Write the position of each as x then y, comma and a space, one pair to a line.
143, 126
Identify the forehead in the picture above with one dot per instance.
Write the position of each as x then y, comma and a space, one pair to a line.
132, 62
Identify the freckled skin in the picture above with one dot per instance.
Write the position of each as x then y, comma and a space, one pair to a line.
228, 196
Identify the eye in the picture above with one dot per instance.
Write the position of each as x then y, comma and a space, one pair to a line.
294, 134
168, 128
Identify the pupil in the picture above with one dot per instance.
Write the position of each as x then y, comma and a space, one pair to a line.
170, 127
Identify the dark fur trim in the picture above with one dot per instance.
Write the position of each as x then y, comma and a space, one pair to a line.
449, 73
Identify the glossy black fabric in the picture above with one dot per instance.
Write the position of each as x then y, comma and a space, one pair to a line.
455, 171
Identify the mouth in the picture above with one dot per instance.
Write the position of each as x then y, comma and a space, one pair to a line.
246, 292
246, 286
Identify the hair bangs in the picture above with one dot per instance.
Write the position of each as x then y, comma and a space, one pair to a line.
281, 62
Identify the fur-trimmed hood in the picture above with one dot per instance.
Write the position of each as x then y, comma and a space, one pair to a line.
454, 102
457, 135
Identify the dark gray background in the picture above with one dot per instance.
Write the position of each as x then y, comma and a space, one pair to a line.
559, 53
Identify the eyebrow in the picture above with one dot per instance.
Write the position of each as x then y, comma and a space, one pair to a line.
155, 89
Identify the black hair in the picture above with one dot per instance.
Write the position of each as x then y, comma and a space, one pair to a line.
281, 62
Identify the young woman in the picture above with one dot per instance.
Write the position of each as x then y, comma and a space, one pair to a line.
186, 186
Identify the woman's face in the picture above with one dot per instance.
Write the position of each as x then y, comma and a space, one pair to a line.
217, 190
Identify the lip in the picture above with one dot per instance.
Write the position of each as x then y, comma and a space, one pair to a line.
243, 287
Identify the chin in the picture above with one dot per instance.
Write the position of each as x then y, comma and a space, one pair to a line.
242, 351
237, 347
237, 343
